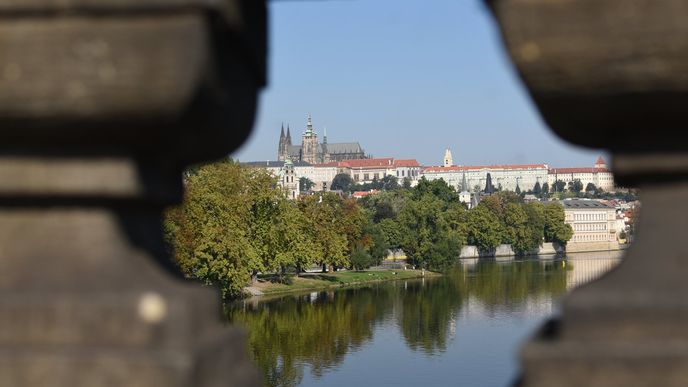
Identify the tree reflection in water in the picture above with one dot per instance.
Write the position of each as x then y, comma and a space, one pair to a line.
317, 330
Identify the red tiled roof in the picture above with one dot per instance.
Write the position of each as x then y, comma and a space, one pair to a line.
362, 163
406, 163
479, 167
600, 160
554, 171
360, 194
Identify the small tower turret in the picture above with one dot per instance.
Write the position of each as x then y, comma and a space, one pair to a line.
600, 163
448, 160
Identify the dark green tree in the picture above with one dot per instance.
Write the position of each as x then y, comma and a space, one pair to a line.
537, 190
559, 186
342, 181
545, 189
305, 184
576, 186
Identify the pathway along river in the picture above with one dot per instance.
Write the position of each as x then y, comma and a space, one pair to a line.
462, 329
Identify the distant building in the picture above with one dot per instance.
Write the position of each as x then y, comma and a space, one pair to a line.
313, 152
504, 177
320, 174
593, 223
367, 170
599, 175
289, 181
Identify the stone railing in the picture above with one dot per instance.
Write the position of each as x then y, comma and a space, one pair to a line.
102, 104
612, 74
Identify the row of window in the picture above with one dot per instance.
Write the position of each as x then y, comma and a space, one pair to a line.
590, 227
590, 238
367, 176
598, 216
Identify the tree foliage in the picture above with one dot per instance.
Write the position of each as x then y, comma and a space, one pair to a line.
237, 222
556, 230
342, 181
305, 184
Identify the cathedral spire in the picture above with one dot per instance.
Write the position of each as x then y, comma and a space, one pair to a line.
282, 132
325, 135
309, 125
288, 135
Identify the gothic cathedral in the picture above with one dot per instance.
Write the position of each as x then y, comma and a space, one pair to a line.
312, 152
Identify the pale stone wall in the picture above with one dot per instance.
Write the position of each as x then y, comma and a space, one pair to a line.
507, 178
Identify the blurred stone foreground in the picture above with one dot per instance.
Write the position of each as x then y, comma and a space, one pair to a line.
612, 74
102, 105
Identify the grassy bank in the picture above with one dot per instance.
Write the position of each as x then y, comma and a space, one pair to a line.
316, 281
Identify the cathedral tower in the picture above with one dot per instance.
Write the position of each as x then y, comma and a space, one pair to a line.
284, 144
309, 147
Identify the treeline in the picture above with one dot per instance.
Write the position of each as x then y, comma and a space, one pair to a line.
430, 224
236, 222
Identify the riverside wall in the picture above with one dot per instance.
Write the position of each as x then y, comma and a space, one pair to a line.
545, 249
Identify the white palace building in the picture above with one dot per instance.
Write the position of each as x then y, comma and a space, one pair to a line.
508, 177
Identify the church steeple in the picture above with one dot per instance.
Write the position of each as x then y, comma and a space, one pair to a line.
288, 135
282, 132
448, 160
325, 135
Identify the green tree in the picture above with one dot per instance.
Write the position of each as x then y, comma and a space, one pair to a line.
389, 183
375, 242
559, 186
209, 230
321, 213
556, 230
536, 222
517, 229
361, 259
305, 184
537, 190
545, 189
392, 232
590, 188
518, 189
427, 239
484, 228
342, 181
437, 188
576, 186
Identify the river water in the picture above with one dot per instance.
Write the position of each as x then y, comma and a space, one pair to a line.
462, 329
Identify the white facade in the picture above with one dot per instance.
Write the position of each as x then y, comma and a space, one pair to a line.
320, 174
366, 170
599, 175
507, 177
592, 221
289, 181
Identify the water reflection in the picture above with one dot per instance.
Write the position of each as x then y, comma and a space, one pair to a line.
316, 331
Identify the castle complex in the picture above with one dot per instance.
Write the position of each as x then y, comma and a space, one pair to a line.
310, 151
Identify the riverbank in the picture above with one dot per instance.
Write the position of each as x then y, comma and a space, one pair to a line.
319, 281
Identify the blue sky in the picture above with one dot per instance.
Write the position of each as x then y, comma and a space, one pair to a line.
405, 78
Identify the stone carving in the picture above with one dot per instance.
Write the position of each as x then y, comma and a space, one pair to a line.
611, 74
102, 105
